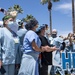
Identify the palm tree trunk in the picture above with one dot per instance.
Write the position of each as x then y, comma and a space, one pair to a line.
73, 16
50, 15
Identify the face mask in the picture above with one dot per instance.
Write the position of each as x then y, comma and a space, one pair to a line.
54, 35
13, 26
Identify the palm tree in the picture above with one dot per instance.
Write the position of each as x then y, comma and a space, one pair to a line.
73, 16
49, 9
18, 8
14, 11
28, 18
15, 8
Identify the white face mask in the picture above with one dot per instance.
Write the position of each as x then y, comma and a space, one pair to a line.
13, 26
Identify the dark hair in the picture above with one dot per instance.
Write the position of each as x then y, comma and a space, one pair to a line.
46, 25
31, 24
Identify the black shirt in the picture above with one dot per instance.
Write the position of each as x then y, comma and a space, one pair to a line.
46, 56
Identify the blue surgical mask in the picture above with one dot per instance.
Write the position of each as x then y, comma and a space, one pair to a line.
13, 26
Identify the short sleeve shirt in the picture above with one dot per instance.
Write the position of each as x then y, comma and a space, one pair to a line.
29, 37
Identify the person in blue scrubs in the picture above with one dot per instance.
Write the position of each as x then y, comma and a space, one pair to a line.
32, 49
21, 31
9, 45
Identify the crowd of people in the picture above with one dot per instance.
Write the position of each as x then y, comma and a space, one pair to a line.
29, 49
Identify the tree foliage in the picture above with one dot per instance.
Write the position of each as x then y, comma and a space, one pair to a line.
28, 18
15, 8
46, 1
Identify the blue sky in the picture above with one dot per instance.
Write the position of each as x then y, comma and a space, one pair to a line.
61, 13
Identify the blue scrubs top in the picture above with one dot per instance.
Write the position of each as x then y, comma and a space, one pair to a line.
9, 47
21, 33
29, 37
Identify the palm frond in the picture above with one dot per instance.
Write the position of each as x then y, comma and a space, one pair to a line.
28, 18
44, 1
16, 8
55, 0
10, 9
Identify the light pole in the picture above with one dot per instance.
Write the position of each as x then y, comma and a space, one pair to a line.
73, 16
